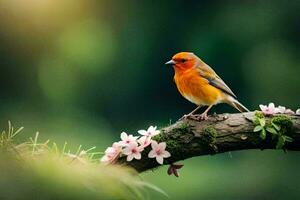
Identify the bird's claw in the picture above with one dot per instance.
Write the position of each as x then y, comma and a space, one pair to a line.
185, 117
202, 117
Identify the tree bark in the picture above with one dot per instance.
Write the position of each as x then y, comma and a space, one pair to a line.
220, 133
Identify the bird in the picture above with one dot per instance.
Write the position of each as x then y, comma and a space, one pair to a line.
199, 83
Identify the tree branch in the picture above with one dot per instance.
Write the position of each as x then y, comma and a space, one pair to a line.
220, 133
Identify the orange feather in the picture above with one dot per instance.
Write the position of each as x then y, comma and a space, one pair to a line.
196, 89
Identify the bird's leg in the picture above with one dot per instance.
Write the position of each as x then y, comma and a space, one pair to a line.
203, 116
190, 114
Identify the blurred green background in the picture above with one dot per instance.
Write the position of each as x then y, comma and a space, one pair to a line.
84, 71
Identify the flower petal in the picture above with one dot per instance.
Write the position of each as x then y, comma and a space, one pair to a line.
129, 157
271, 106
160, 159
177, 166
127, 151
123, 144
142, 132
140, 148
170, 170
175, 171
132, 138
281, 109
116, 145
151, 129
154, 144
289, 111
162, 146
133, 144
152, 154
166, 154
109, 150
144, 141
124, 136
262, 107
137, 156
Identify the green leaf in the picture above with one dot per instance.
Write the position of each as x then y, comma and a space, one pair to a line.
257, 128
280, 142
287, 138
277, 127
262, 122
272, 130
263, 134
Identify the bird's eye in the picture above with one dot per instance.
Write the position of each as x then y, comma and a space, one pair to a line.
183, 60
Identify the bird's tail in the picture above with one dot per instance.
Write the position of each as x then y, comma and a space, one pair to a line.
237, 105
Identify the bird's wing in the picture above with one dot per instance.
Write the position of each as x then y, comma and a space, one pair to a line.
208, 73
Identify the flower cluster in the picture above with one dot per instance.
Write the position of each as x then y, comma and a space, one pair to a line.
271, 109
132, 146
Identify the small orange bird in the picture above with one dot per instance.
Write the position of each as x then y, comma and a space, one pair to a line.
200, 84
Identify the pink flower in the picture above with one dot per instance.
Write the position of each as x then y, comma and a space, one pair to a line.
280, 109
268, 110
158, 151
298, 111
144, 141
284, 110
150, 132
289, 111
127, 139
133, 151
111, 153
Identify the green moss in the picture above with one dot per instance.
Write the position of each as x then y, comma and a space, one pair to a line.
211, 132
277, 129
182, 129
173, 146
283, 121
280, 127
185, 126
258, 115
158, 137
209, 137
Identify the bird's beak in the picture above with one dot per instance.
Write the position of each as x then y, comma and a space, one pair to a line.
171, 62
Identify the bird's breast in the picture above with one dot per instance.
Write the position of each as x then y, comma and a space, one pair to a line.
197, 89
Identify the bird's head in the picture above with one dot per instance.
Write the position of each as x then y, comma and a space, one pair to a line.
183, 60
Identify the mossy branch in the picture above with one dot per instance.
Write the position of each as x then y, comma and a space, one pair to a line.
220, 133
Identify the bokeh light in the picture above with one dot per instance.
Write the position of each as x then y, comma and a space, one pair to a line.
88, 45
